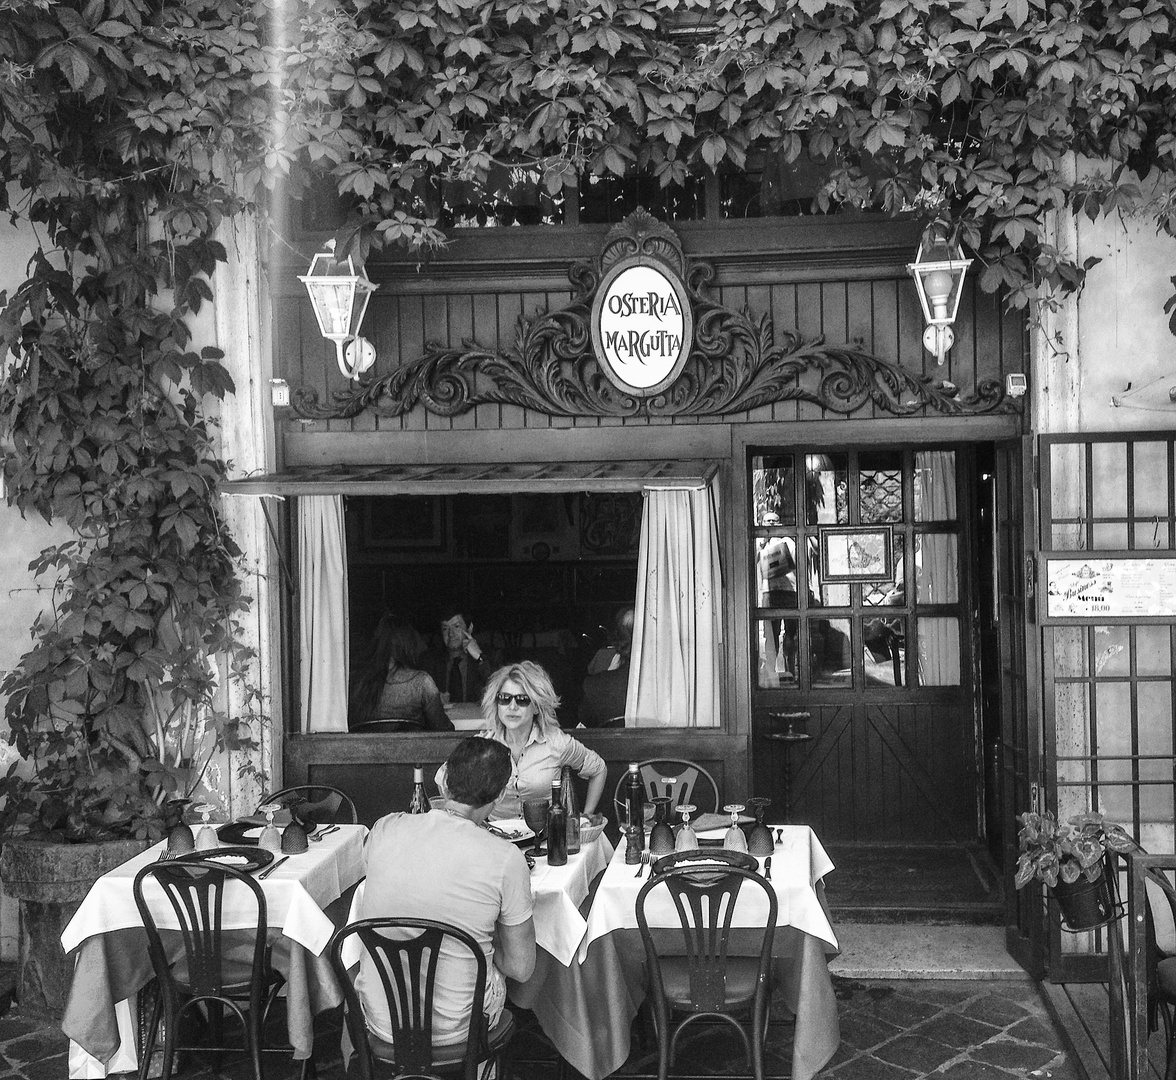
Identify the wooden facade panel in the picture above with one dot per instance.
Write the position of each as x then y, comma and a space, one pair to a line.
783, 312
966, 359
412, 334
880, 315
809, 325
486, 326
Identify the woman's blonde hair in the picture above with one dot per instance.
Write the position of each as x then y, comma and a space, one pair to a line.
536, 683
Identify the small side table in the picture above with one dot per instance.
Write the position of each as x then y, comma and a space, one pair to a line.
788, 738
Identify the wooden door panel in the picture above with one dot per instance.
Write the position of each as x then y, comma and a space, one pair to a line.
874, 772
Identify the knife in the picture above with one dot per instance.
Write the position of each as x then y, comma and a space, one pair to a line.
768, 868
272, 867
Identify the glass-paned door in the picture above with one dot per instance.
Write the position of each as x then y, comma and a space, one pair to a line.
861, 647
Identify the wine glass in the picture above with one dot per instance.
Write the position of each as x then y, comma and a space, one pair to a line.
270, 838
535, 815
760, 841
734, 840
206, 838
686, 839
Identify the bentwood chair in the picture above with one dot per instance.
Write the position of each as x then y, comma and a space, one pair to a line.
404, 966
678, 780
1161, 960
315, 804
699, 979
216, 968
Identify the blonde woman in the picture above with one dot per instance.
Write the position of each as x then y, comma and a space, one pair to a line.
519, 707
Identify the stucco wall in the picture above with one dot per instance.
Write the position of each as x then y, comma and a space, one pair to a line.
1126, 352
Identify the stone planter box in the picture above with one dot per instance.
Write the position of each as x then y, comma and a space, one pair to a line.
50, 881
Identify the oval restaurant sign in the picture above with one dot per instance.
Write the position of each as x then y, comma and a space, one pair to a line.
642, 326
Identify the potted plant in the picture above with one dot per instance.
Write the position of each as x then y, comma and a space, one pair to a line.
1068, 857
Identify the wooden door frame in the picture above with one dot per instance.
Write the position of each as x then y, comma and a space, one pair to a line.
1025, 928
821, 434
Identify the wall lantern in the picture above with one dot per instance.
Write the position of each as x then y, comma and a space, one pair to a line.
939, 270
340, 298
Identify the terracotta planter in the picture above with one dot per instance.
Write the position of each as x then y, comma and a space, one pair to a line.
1085, 904
50, 881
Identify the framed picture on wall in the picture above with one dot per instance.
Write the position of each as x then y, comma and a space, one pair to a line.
414, 522
863, 553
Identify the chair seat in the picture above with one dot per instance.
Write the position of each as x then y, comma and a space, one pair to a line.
739, 988
450, 1056
236, 968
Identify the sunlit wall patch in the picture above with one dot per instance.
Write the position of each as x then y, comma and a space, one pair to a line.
642, 325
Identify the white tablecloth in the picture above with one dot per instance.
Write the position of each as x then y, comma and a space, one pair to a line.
295, 894
557, 893
798, 863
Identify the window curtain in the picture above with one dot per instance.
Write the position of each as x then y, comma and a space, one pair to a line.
938, 570
322, 571
674, 674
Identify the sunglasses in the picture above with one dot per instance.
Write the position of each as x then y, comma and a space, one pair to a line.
521, 700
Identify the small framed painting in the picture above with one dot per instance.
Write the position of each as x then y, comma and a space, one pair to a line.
404, 521
864, 553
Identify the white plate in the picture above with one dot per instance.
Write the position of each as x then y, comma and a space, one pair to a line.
515, 829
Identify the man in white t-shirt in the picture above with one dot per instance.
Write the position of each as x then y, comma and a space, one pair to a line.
443, 865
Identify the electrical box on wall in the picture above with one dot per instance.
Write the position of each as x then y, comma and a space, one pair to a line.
1016, 384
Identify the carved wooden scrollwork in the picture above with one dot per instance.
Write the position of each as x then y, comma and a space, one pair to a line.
738, 362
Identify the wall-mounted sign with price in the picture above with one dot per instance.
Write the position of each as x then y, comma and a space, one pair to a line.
1102, 587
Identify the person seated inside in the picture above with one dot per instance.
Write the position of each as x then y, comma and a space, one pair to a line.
460, 668
620, 643
444, 866
389, 692
605, 689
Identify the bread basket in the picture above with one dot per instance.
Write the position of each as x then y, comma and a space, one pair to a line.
591, 826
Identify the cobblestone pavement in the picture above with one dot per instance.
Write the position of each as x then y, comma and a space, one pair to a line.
899, 1030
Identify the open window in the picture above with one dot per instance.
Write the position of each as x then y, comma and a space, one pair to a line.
541, 559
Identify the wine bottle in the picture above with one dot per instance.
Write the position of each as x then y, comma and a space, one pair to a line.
573, 812
557, 823
635, 802
419, 803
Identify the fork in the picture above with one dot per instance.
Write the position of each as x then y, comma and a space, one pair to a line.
645, 859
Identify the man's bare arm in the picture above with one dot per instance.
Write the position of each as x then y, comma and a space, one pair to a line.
514, 950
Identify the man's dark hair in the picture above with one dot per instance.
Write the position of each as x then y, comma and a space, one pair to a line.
477, 771
447, 611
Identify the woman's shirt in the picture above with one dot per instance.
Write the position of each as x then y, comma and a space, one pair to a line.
413, 696
546, 752
544, 755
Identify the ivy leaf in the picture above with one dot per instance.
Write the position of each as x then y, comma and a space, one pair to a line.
714, 148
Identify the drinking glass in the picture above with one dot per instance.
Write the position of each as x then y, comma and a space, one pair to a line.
535, 815
661, 836
734, 840
686, 839
206, 838
760, 840
270, 838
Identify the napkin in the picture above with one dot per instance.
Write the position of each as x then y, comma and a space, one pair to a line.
704, 822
